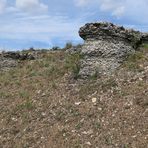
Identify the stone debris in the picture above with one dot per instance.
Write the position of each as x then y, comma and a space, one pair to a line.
88, 143
77, 103
94, 100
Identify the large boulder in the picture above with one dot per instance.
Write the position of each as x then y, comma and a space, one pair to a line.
106, 46
10, 59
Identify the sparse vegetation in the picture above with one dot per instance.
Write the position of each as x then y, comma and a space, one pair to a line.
28, 105
133, 61
55, 48
145, 46
73, 63
24, 94
68, 45
42, 104
95, 75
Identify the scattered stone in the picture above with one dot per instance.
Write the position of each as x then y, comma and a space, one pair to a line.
88, 132
94, 100
43, 114
88, 143
42, 137
14, 119
73, 131
77, 103
100, 109
43, 95
39, 91
146, 112
82, 120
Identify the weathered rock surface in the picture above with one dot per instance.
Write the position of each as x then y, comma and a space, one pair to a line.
106, 46
6, 64
18, 56
10, 59
74, 49
145, 38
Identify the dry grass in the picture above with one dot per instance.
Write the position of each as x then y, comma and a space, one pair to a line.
41, 105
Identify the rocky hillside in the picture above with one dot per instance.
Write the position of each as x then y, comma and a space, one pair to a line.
52, 99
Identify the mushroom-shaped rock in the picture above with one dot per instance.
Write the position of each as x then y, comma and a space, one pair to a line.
105, 47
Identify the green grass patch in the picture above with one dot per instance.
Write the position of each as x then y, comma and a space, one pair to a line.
24, 94
145, 45
73, 64
133, 61
28, 105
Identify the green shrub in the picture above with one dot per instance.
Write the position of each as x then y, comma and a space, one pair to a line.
68, 45
24, 94
145, 45
28, 105
132, 62
55, 48
73, 63
95, 75
135, 57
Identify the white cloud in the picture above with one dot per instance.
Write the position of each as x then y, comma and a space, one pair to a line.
41, 28
118, 12
29, 22
31, 6
116, 7
81, 3
2, 6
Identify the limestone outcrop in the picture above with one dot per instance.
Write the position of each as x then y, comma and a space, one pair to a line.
10, 59
106, 46
18, 55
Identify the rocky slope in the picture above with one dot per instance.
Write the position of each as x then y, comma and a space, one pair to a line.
42, 106
45, 104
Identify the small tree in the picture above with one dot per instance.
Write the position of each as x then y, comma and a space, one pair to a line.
31, 49
55, 48
68, 45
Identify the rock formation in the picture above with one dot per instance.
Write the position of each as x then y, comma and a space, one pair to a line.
106, 46
18, 55
10, 59
6, 64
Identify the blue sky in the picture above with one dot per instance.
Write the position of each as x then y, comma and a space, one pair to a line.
47, 23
